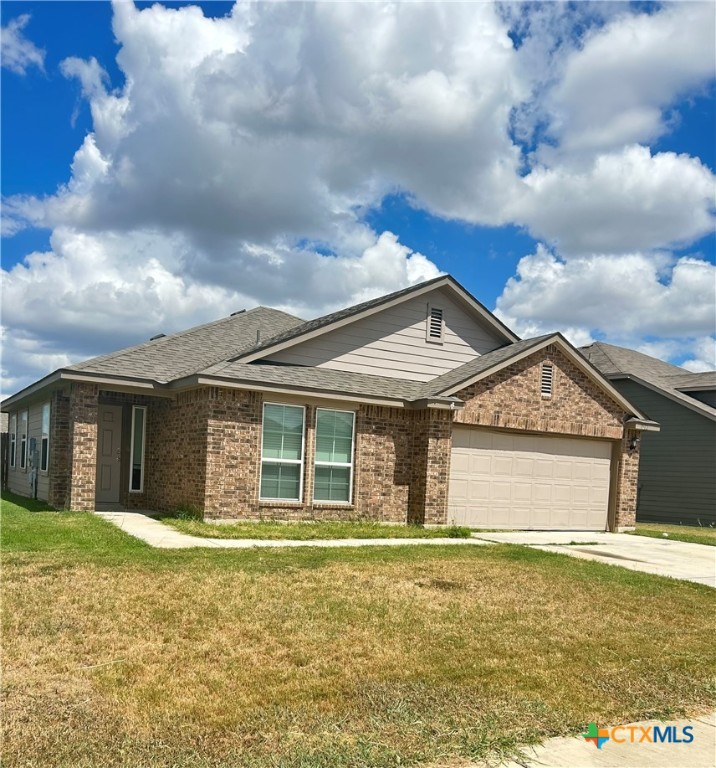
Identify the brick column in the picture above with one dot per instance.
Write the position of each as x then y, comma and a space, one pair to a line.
83, 408
60, 468
432, 439
627, 483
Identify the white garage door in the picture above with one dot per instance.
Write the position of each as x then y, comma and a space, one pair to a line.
503, 480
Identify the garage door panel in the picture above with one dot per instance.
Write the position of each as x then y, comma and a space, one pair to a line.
528, 481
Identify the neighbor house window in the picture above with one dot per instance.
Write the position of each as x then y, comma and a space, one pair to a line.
435, 324
22, 428
136, 461
282, 452
45, 440
333, 477
547, 379
13, 439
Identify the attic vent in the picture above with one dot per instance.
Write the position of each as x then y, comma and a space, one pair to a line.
434, 328
547, 378
158, 336
239, 312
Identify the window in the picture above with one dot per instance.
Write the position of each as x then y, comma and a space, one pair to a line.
45, 440
136, 462
282, 452
547, 378
333, 477
22, 428
13, 439
435, 324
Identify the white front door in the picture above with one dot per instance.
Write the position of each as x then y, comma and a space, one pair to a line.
109, 454
512, 480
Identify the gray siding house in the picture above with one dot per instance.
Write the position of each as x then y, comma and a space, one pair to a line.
677, 474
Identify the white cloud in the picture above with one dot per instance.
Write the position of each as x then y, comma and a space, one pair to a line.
623, 201
239, 149
19, 53
703, 354
616, 86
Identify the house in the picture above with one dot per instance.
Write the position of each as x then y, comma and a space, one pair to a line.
677, 477
419, 406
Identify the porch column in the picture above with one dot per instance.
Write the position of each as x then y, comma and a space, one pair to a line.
627, 483
83, 410
432, 440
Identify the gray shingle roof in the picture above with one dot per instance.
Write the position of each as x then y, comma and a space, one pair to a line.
693, 382
478, 365
181, 354
322, 379
619, 362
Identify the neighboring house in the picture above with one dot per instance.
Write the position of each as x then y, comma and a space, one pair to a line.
419, 406
677, 476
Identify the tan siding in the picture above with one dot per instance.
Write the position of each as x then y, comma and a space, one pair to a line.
19, 479
392, 342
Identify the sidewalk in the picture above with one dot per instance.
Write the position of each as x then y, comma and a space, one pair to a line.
575, 752
157, 534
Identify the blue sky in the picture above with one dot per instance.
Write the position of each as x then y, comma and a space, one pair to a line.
163, 166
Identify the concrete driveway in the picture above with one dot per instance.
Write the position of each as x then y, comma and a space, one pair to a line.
692, 562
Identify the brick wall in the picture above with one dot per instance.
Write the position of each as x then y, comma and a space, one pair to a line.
432, 442
627, 482
511, 399
60, 468
83, 445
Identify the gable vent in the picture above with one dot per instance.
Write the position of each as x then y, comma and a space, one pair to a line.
434, 330
547, 379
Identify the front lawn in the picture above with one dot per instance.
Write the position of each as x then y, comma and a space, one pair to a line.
690, 533
317, 530
115, 654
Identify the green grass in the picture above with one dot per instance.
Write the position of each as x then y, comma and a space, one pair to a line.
317, 530
119, 655
691, 534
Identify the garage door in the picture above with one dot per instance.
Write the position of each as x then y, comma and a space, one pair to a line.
503, 480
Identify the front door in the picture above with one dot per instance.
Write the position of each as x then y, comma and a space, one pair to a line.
109, 454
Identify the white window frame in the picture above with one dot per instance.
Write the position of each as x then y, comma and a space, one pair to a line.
428, 325
549, 381
45, 436
341, 464
136, 408
23, 439
300, 462
12, 458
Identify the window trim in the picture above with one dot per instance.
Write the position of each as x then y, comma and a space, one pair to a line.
428, 325
23, 439
12, 448
45, 436
301, 462
351, 466
136, 408
547, 380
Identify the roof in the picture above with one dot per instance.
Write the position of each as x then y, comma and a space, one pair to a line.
622, 363
482, 364
321, 379
325, 323
181, 354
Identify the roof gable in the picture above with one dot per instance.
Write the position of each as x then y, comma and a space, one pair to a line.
322, 325
669, 380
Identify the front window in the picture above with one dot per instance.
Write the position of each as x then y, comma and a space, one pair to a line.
13, 439
136, 463
333, 478
45, 441
282, 452
22, 429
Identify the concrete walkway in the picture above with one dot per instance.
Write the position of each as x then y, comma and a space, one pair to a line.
663, 557
575, 752
157, 534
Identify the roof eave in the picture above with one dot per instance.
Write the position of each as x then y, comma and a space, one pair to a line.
677, 397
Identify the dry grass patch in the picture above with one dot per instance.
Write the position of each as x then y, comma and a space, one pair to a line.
325, 658
693, 534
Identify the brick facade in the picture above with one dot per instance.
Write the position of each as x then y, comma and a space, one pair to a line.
203, 447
